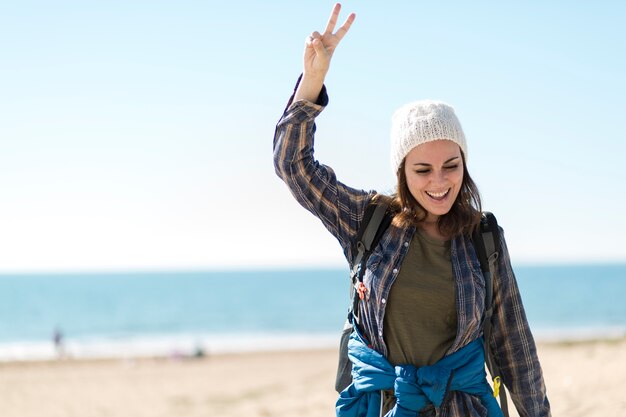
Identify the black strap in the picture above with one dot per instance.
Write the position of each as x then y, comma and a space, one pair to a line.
375, 222
372, 220
487, 244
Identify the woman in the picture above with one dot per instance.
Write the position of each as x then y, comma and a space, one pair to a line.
424, 291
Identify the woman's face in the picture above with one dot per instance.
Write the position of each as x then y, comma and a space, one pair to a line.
434, 173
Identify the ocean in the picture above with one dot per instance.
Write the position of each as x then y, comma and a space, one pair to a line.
184, 313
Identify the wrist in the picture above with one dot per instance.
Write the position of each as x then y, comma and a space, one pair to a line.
313, 77
309, 88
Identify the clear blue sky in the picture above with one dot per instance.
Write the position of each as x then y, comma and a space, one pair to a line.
137, 135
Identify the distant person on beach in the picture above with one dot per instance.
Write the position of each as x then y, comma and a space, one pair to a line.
417, 347
57, 340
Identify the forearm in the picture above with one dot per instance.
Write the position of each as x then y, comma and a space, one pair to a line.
514, 346
309, 88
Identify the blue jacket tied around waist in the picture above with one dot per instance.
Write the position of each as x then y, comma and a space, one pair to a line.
415, 388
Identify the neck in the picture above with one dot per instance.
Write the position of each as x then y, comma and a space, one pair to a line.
431, 229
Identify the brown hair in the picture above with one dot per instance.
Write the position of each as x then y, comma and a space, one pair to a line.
463, 217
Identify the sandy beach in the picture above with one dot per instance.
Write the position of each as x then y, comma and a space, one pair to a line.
584, 379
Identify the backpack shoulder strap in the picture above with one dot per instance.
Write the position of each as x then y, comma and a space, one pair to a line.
487, 244
375, 221
373, 224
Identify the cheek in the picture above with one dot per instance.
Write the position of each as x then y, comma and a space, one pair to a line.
415, 184
458, 177
457, 180
416, 189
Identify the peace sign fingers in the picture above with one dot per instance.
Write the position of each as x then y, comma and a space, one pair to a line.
318, 51
332, 22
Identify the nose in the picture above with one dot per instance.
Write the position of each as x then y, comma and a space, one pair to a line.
439, 177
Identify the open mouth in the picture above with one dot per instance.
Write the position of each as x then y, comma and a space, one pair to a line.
438, 196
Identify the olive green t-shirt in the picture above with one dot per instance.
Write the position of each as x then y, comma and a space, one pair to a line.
420, 319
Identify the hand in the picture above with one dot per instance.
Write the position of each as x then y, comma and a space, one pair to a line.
318, 50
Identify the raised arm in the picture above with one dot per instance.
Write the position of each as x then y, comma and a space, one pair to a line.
315, 185
318, 51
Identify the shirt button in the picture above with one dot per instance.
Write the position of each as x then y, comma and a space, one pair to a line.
395, 270
406, 244
380, 333
383, 301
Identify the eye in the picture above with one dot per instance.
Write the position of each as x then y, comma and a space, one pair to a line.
422, 171
451, 167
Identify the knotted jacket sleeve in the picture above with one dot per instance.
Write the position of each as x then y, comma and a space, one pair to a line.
314, 185
513, 343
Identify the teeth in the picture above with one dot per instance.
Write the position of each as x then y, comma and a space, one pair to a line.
438, 195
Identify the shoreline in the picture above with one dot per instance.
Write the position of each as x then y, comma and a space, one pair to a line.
193, 357
190, 347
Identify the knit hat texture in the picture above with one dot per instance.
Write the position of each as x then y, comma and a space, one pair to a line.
420, 122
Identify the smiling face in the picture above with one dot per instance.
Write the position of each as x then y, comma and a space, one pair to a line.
434, 174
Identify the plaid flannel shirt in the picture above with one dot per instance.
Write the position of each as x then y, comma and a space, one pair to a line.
341, 209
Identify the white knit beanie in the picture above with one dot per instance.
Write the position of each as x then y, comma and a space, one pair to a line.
420, 122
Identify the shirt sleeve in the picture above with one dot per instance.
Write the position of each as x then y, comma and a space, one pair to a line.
513, 344
314, 185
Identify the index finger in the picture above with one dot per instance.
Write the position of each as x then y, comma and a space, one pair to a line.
332, 20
